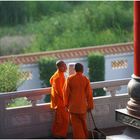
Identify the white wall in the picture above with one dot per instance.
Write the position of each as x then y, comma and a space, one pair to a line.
110, 73
79, 60
34, 82
118, 73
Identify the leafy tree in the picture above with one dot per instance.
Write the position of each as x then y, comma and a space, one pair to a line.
10, 77
47, 66
96, 71
20, 12
92, 23
86, 24
12, 12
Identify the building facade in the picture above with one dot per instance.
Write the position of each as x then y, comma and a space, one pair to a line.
118, 62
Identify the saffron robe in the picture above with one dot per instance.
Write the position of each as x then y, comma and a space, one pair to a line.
61, 120
78, 99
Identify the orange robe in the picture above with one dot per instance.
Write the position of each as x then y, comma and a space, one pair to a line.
61, 120
78, 98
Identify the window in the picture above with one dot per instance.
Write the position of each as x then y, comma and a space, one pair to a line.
27, 75
119, 64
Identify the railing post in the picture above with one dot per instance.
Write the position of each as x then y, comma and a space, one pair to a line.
112, 90
34, 99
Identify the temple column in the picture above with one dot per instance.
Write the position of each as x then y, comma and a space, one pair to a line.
133, 105
130, 116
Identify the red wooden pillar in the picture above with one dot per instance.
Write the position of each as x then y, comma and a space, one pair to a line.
137, 38
133, 105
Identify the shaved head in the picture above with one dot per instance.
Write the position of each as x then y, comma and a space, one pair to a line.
79, 67
61, 65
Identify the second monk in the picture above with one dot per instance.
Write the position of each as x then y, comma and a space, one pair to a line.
78, 99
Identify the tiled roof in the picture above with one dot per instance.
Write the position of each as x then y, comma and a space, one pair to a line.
69, 53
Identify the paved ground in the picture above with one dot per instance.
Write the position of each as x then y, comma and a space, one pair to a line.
109, 132
128, 133
114, 130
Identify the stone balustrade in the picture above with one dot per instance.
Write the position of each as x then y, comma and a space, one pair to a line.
34, 120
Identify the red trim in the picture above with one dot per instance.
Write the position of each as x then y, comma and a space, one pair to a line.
70, 53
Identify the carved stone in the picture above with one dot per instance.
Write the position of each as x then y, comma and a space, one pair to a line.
133, 105
123, 116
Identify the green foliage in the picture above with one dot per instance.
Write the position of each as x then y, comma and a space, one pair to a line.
47, 67
10, 77
19, 102
13, 49
12, 12
20, 12
96, 70
89, 23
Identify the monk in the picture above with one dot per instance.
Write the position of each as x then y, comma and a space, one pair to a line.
61, 120
78, 99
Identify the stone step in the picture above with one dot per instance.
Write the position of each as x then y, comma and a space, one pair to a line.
129, 133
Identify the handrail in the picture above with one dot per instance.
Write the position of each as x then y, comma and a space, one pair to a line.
110, 83
27, 93
46, 91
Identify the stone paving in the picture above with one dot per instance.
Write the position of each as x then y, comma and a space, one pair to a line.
111, 133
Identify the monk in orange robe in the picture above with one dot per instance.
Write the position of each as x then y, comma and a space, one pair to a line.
61, 120
78, 99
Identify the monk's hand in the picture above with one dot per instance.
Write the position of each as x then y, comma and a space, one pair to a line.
89, 110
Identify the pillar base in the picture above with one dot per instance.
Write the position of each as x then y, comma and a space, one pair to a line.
123, 116
133, 105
